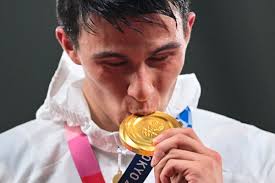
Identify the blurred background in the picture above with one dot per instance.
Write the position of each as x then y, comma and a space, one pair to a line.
231, 52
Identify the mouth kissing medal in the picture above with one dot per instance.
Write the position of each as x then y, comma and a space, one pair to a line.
137, 132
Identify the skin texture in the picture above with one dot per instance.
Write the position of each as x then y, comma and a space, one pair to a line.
135, 73
181, 157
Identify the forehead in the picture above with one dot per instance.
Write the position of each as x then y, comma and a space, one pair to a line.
139, 35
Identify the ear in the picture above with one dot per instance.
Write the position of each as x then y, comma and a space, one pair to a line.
67, 45
189, 25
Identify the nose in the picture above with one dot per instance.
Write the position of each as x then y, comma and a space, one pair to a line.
141, 85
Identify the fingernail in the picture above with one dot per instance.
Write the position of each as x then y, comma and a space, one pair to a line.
156, 157
157, 139
153, 162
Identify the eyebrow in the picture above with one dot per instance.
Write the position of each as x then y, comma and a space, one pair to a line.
168, 46
110, 54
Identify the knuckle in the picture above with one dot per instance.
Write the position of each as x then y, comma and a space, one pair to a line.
171, 162
217, 157
213, 162
173, 153
179, 137
164, 173
189, 131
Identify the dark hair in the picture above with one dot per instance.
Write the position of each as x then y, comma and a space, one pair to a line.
72, 14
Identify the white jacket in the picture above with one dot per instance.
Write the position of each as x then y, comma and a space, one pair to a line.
37, 151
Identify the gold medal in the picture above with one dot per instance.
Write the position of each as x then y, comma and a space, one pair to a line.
137, 132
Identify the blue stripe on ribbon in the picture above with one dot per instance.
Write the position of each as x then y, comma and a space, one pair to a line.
138, 170
140, 166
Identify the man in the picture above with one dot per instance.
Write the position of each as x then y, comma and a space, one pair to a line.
122, 58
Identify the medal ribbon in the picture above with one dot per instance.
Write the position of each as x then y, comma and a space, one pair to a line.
87, 165
83, 156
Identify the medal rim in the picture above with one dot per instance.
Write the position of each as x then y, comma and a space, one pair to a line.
126, 136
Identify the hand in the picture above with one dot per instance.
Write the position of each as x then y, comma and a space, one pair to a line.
180, 156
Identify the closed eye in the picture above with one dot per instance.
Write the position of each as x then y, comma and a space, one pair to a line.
115, 64
159, 58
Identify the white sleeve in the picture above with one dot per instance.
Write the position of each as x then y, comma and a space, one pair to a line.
5, 176
14, 155
271, 175
5, 154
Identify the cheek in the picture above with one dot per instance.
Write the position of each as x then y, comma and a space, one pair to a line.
165, 85
111, 85
167, 78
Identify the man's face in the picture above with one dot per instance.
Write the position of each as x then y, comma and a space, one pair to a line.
130, 72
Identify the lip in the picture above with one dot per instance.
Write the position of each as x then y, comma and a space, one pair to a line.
142, 108
142, 112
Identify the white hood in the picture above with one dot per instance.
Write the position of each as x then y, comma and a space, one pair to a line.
40, 153
65, 101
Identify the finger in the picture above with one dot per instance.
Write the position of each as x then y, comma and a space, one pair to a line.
178, 141
173, 131
179, 155
175, 166
178, 179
